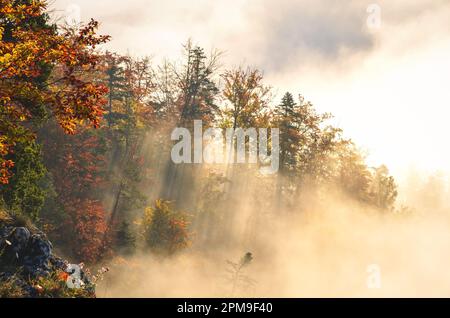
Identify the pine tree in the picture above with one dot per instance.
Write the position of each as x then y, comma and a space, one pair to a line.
129, 81
115, 80
125, 239
197, 101
198, 89
287, 120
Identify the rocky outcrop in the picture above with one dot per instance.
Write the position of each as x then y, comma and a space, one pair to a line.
26, 255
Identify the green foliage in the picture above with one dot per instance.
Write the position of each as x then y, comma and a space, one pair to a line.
165, 230
286, 120
11, 288
126, 239
198, 88
55, 286
51, 286
25, 193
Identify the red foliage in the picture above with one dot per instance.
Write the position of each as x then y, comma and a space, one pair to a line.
43, 68
88, 226
5, 165
76, 166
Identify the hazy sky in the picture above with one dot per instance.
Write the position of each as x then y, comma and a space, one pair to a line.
388, 87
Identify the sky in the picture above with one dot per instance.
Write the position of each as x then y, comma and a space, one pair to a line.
382, 68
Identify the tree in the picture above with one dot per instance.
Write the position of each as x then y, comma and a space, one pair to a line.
238, 278
165, 230
115, 81
87, 227
287, 120
165, 94
125, 239
76, 164
383, 188
305, 146
130, 115
42, 75
247, 98
197, 101
198, 90
352, 174
25, 194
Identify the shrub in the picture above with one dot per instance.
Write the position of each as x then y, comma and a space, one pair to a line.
10, 288
165, 230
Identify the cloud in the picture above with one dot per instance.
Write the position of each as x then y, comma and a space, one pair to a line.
376, 83
267, 31
299, 31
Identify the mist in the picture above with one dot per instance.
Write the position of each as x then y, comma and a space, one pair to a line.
331, 245
353, 98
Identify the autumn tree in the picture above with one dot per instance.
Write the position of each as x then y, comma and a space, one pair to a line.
76, 164
165, 94
383, 188
32, 88
165, 229
130, 116
352, 174
197, 101
246, 98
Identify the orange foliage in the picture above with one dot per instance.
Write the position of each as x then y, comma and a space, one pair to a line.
89, 226
76, 169
28, 53
5, 165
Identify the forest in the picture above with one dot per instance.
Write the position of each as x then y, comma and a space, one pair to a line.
85, 156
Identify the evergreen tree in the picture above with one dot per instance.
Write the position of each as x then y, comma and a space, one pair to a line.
115, 80
125, 239
25, 193
287, 121
198, 89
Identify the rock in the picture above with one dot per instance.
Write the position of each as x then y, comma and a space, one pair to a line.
36, 256
15, 242
26, 257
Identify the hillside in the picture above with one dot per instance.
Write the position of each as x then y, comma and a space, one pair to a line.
28, 267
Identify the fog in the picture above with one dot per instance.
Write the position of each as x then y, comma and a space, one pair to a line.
334, 247
387, 88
